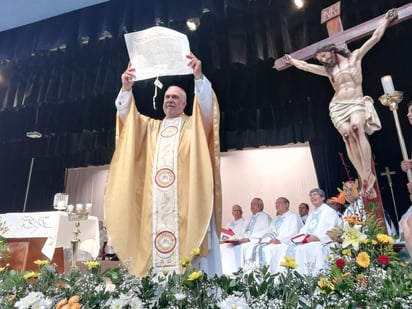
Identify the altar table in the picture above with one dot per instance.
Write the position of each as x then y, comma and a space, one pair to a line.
54, 227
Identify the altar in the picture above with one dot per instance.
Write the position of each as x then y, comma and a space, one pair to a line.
54, 228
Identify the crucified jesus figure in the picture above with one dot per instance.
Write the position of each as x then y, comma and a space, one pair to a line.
352, 113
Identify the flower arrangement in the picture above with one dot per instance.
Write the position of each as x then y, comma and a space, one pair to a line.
364, 272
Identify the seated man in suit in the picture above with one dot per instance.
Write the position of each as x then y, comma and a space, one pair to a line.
310, 247
356, 207
255, 227
272, 246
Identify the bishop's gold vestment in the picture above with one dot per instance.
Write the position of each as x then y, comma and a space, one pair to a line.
128, 196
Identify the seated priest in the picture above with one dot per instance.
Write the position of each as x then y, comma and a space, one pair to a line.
271, 248
255, 227
311, 246
236, 227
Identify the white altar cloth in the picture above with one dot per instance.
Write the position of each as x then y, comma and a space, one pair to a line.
55, 226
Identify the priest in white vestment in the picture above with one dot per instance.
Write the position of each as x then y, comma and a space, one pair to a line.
237, 225
310, 247
256, 226
163, 193
271, 248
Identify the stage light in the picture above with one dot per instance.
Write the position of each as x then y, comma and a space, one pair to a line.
193, 23
105, 35
33, 134
298, 3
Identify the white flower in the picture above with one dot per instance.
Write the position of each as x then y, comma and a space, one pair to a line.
34, 300
180, 296
100, 288
118, 303
352, 236
135, 303
233, 302
43, 303
110, 287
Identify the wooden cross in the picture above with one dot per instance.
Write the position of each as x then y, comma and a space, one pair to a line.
340, 37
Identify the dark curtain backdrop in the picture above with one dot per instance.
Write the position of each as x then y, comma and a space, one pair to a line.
60, 77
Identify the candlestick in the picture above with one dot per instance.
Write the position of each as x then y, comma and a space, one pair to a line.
387, 84
70, 208
77, 213
392, 100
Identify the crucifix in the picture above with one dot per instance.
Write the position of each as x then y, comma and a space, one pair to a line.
388, 173
349, 107
331, 15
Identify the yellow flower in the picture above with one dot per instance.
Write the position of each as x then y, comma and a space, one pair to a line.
384, 239
195, 252
2, 268
363, 259
289, 262
324, 284
347, 252
373, 242
41, 262
165, 272
31, 275
92, 264
195, 275
352, 236
185, 262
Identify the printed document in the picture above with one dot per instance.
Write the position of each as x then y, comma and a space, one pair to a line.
158, 51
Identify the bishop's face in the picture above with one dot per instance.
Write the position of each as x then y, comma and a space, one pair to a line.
174, 102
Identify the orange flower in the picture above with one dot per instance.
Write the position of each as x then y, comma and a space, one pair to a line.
340, 198
350, 219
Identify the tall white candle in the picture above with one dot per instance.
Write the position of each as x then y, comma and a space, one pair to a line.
387, 84
88, 207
